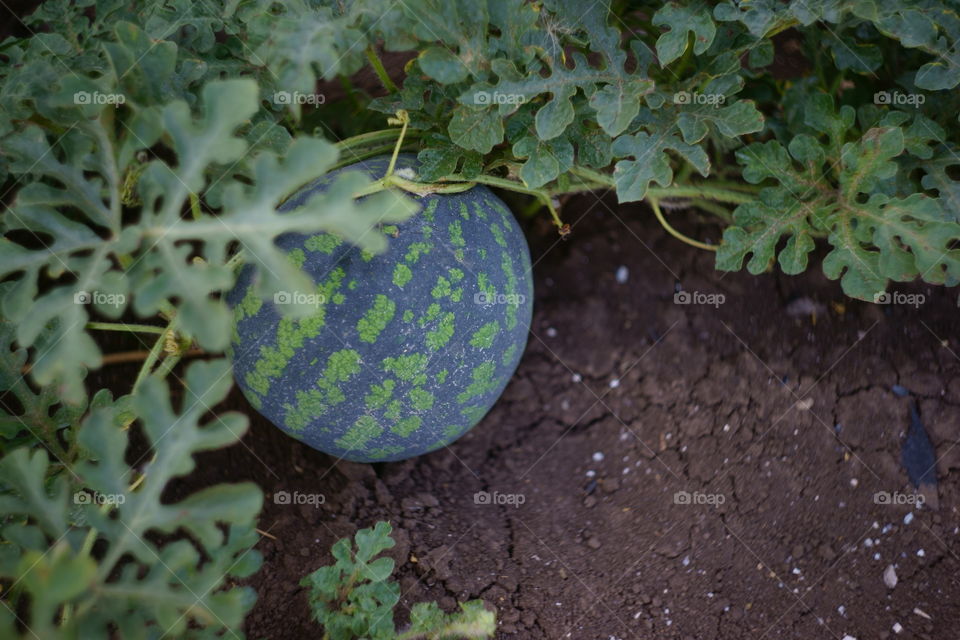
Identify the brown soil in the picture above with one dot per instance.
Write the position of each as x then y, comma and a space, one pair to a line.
786, 420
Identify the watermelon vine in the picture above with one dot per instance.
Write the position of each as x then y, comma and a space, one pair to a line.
145, 150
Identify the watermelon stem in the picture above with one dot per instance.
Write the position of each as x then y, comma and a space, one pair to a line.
380, 70
403, 119
655, 205
721, 192
125, 326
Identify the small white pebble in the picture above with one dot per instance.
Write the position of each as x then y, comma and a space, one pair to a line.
686, 561
907, 519
854, 482
897, 627
796, 571
726, 427
886, 529
615, 383
598, 456
551, 332
868, 543
921, 552
890, 576
576, 377
622, 274
591, 473
848, 637
626, 470
876, 556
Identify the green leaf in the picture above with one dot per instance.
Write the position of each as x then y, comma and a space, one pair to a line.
546, 160
476, 129
682, 20
555, 116
731, 121
142, 67
371, 542
135, 581
874, 237
618, 104
757, 230
650, 163
442, 65
937, 178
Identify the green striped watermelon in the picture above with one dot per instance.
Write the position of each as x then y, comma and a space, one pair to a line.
408, 349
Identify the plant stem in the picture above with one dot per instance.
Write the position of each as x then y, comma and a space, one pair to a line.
655, 205
123, 326
511, 185
357, 156
707, 192
195, 206
379, 69
403, 120
152, 358
713, 208
365, 139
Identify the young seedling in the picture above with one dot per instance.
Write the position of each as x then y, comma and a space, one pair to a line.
354, 598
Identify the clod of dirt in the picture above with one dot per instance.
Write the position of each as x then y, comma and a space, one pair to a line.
673, 546
438, 561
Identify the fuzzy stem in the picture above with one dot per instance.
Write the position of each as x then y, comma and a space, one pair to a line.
504, 183
123, 326
152, 357
655, 205
380, 70
357, 156
371, 137
713, 208
403, 120
708, 192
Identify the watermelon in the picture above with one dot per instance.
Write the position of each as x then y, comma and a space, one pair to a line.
408, 349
